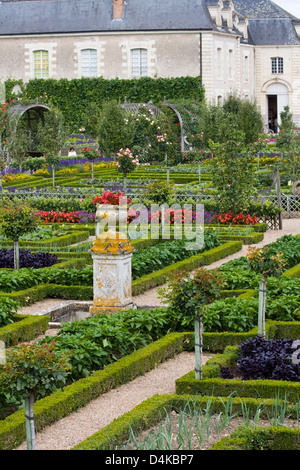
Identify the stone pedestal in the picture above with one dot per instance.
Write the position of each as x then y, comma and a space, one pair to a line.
111, 253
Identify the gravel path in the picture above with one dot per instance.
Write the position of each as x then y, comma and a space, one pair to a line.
76, 427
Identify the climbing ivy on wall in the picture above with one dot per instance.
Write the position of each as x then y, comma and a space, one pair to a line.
73, 96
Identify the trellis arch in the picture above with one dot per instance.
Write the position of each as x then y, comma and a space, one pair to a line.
34, 112
187, 113
135, 107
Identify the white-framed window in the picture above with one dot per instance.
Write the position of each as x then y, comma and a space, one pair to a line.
277, 64
246, 68
219, 62
230, 64
89, 63
139, 62
41, 64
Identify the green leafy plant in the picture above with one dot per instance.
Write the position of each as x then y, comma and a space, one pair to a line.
15, 222
188, 295
8, 308
31, 372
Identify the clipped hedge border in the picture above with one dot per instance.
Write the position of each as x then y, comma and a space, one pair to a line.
255, 237
211, 384
139, 286
72, 397
60, 404
76, 237
157, 278
293, 272
25, 328
260, 438
151, 411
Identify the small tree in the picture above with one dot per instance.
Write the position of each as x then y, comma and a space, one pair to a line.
32, 372
233, 175
18, 147
126, 163
17, 220
188, 295
52, 136
262, 261
115, 131
90, 120
91, 155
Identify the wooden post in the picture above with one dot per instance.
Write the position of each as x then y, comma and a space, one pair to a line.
29, 423
262, 307
279, 195
16, 256
53, 176
198, 347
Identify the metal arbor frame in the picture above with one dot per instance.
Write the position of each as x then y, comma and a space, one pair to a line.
184, 144
33, 112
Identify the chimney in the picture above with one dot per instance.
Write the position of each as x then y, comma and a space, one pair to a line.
118, 9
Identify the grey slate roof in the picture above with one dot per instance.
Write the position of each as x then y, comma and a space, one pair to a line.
255, 9
273, 32
60, 16
268, 23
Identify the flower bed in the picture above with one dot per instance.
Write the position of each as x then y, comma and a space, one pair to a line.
66, 217
230, 219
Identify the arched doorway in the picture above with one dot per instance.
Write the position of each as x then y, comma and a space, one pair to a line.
28, 116
277, 96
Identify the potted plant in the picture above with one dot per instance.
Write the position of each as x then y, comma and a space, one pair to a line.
109, 211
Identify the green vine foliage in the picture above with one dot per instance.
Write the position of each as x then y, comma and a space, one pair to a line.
99, 90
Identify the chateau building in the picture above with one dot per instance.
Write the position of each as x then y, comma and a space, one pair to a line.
250, 47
